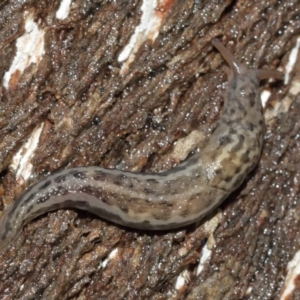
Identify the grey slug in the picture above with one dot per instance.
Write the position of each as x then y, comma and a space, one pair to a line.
167, 200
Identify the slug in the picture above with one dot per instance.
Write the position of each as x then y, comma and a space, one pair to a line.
167, 200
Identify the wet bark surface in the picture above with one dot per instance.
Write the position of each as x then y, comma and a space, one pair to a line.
94, 109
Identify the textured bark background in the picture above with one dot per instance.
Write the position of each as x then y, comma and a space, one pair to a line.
92, 106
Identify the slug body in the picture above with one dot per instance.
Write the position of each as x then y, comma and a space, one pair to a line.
167, 200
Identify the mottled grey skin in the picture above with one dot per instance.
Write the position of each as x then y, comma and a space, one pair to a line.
166, 200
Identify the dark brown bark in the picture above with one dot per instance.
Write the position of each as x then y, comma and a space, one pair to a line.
92, 115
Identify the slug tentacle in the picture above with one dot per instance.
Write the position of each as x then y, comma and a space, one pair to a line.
265, 74
171, 199
235, 66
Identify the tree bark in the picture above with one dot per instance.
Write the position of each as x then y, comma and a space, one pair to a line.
80, 99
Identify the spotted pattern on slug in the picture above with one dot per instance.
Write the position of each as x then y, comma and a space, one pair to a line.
167, 200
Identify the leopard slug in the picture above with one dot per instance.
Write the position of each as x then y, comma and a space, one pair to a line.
167, 200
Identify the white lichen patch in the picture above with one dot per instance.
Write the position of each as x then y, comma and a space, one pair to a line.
205, 256
63, 10
292, 277
283, 106
292, 61
182, 279
265, 95
210, 226
110, 256
21, 162
148, 29
30, 49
